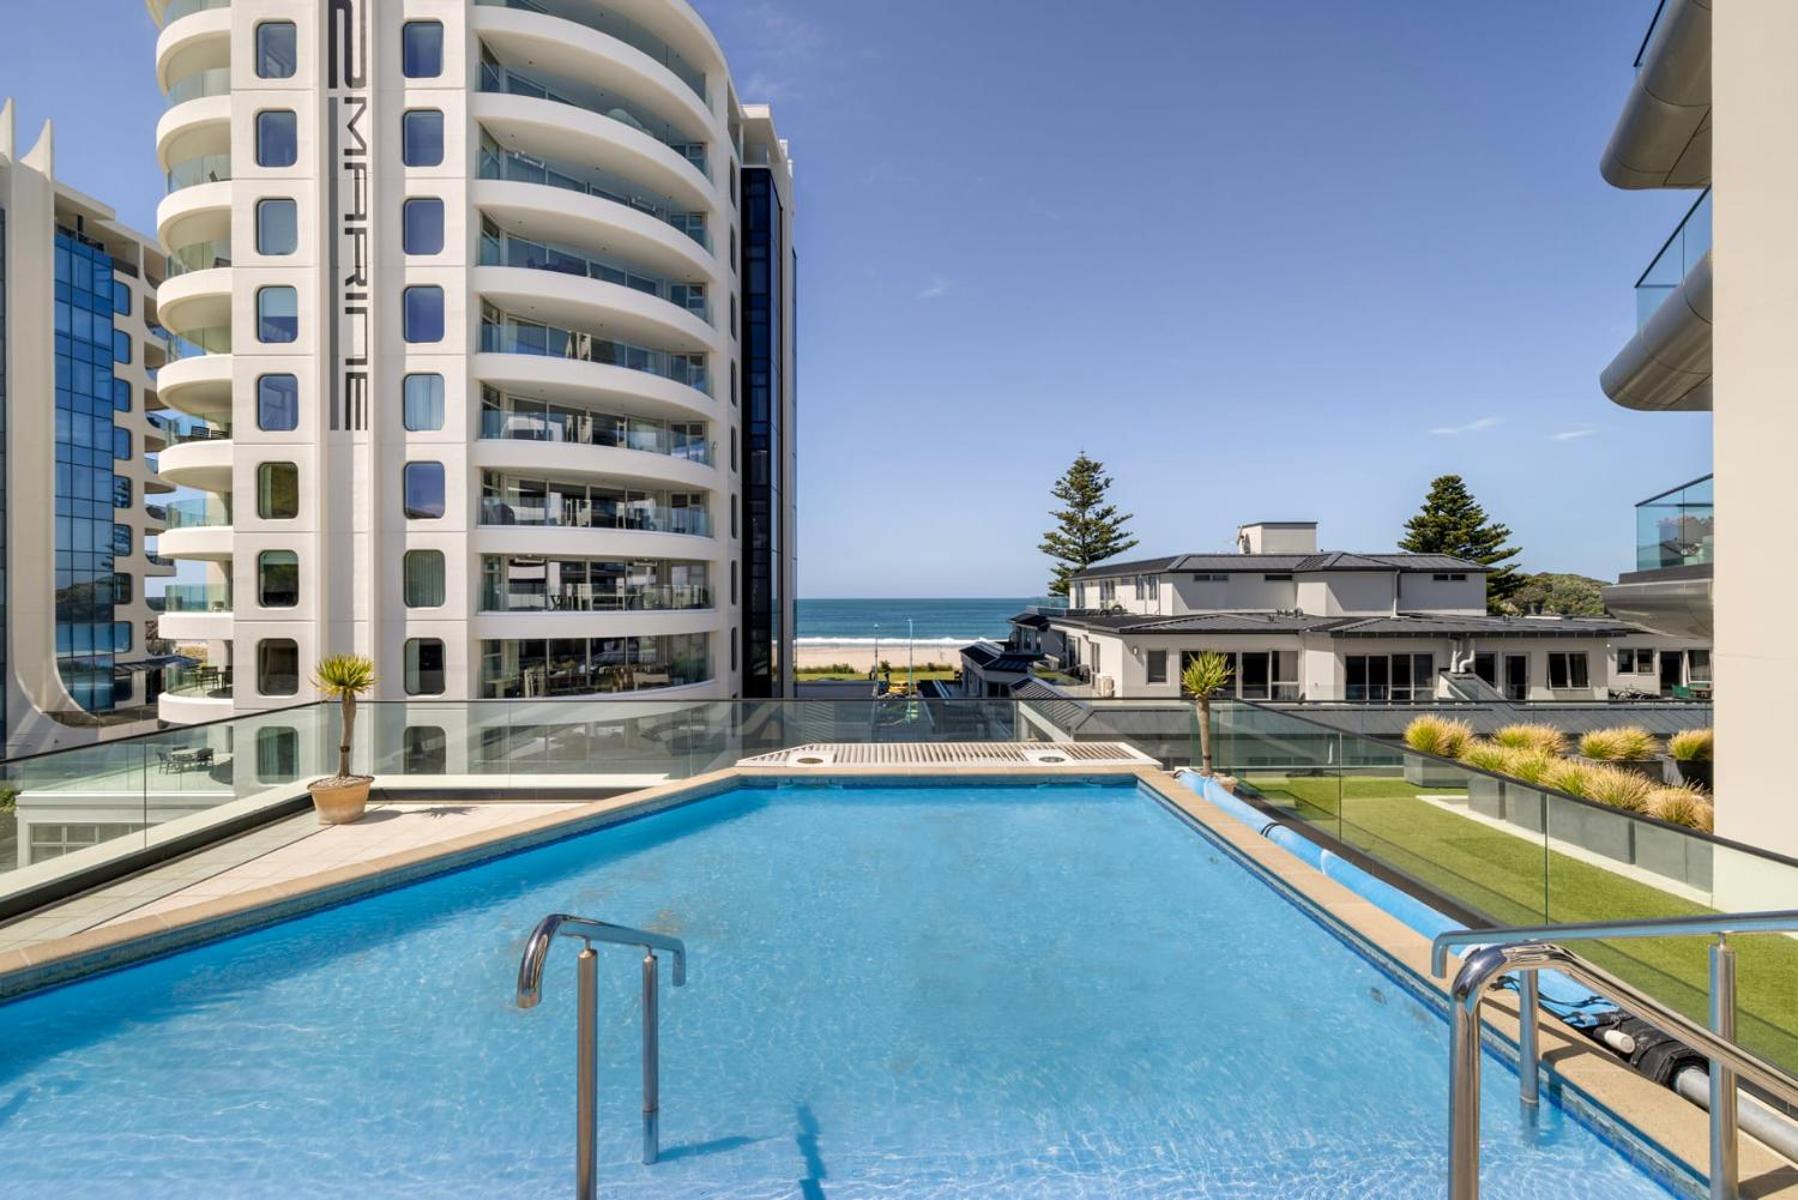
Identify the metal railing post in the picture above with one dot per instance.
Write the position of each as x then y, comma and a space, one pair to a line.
652, 1063
1723, 1079
1529, 1054
586, 1072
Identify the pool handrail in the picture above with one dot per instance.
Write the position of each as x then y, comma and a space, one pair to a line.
1527, 950
586, 1100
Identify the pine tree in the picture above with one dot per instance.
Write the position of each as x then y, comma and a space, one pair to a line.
1452, 522
1088, 529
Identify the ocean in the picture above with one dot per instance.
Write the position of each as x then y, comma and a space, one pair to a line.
855, 621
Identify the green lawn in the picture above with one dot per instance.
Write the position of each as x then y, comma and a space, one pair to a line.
1513, 880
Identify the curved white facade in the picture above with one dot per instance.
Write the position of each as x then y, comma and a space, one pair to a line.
466, 402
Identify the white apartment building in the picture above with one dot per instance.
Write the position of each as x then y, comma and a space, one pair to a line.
78, 432
483, 312
1709, 109
1302, 625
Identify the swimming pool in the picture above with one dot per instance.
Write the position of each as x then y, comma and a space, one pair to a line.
957, 990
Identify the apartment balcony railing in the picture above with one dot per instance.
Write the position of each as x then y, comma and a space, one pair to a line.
213, 339
186, 8
207, 168
661, 597
626, 31
573, 511
214, 81
507, 335
205, 512
200, 256
522, 168
1648, 34
213, 683
1677, 528
503, 250
495, 78
179, 431
1690, 242
197, 598
573, 667
594, 429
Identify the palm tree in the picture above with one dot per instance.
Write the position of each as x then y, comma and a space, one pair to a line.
343, 677
1205, 678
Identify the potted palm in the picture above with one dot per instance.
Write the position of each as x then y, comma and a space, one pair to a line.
1205, 679
343, 798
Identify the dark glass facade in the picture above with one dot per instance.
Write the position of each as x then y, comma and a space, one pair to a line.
764, 443
86, 491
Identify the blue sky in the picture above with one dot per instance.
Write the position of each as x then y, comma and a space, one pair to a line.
1282, 260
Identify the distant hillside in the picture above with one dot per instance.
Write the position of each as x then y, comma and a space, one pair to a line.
1561, 595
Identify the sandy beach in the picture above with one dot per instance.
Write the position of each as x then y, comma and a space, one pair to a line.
858, 655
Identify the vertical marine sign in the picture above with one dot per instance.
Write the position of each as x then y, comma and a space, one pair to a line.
348, 183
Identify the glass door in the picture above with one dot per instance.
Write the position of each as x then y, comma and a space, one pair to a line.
1517, 677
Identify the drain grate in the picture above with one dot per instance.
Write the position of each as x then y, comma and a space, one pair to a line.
954, 754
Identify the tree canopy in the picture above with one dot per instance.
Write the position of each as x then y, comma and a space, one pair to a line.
1451, 521
1087, 529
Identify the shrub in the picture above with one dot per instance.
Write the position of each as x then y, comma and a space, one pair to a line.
1487, 756
1440, 736
1565, 775
1682, 806
1617, 788
1530, 765
1545, 739
1692, 745
1626, 743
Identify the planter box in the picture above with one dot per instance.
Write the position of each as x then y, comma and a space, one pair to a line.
1674, 855
1695, 772
1525, 807
1486, 795
1427, 772
1600, 830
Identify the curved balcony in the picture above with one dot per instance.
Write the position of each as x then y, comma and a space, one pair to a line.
502, 248
592, 385
1667, 365
524, 420
197, 85
626, 468
583, 41
202, 461
194, 307
195, 35
200, 213
198, 528
629, 202
594, 666
191, 695
541, 128
1663, 136
193, 172
196, 612
209, 341
199, 385
595, 320
197, 128
212, 254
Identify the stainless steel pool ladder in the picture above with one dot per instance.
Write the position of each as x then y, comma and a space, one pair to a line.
586, 1102
1529, 949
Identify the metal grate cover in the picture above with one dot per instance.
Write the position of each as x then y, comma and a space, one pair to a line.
953, 754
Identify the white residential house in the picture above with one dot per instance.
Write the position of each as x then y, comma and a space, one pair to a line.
1303, 625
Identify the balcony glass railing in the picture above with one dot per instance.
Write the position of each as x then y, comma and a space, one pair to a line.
497, 163
207, 168
495, 78
659, 597
503, 250
1677, 528
186, 8
203, 512
197, 598
214, 339
1648, 35
510, 500
534, 421
214, 81
513, 670
203, 682
199, 256
613, 25
1690, 242
180, 429
507, 335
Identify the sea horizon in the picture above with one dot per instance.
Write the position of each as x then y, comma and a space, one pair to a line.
854, 621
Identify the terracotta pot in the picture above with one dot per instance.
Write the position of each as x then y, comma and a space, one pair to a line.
340, 802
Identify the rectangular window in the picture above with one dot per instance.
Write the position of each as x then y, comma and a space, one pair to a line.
277, 226
277, 138
1567, 669
423, 317
121, 395
277, 314
122, 584
424, 491
424, 667
1157, 666
421, 134
121, 346
421, 49
277, 47
121, 491
278, 578
278, 667
1277, 577
121, 298
277, 491
277, 403
423, 402
424, 578
422, 218
121, 443
121, 541
1698, 667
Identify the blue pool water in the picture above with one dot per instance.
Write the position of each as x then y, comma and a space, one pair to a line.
1029, 991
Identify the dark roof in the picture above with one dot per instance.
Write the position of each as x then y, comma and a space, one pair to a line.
990, 657
1335, 560
1031, 620
1202, 623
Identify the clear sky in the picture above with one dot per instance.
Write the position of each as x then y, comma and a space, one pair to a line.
1280, 260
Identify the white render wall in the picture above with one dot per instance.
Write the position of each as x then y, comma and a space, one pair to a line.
351, 533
